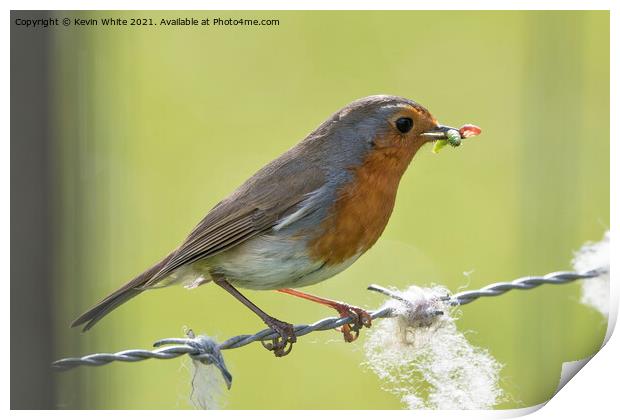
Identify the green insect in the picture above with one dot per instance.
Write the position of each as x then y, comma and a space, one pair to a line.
453, 139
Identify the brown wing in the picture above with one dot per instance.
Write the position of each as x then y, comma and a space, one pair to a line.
255, 207
252, 209
213, 240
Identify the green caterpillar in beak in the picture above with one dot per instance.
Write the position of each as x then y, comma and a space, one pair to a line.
455, 137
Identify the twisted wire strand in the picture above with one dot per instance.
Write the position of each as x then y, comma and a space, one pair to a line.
100, 359
523, 283
205, 350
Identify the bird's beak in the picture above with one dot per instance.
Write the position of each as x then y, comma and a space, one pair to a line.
438, 133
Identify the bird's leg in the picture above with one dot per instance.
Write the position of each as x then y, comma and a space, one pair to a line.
280, 346
361, 318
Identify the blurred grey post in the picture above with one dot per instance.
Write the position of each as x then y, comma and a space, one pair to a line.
31, 218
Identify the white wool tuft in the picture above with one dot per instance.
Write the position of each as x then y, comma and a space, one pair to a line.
426, 361
208, 386
595, 256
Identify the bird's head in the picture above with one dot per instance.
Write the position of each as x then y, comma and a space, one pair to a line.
392, 121
388, 125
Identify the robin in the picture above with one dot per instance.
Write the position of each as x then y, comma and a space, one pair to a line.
301, 219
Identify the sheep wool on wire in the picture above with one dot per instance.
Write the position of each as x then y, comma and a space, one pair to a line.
595, 256
207, 386
427, 361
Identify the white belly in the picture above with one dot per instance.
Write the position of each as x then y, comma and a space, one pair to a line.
265, 263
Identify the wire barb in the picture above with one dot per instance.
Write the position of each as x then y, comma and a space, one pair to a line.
207, 351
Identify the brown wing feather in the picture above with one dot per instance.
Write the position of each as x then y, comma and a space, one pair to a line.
207, 242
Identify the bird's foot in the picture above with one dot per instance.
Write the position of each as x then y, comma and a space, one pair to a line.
361, 318
282, 345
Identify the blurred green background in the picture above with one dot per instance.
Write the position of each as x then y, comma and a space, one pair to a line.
156, 124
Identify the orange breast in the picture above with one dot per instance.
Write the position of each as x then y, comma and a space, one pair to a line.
363, 207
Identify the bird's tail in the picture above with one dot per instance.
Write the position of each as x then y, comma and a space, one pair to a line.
120, 296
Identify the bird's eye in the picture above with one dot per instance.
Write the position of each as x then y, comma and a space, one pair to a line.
404, 124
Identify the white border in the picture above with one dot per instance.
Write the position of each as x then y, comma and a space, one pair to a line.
592, 392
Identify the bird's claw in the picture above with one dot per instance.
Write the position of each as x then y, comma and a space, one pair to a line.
283, 344
361, 318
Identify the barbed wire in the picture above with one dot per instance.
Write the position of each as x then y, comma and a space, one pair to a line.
207, 351
523, 283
